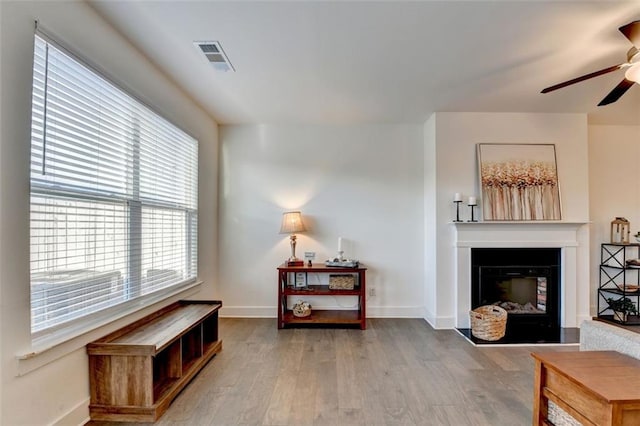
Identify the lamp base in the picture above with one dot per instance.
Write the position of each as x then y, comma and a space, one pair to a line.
295, 262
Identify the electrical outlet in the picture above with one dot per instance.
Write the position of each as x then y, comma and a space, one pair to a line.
372, 292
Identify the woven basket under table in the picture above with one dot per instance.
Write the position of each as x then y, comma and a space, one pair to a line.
488, 322
301, 311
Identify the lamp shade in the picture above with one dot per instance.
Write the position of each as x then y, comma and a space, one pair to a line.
292, 223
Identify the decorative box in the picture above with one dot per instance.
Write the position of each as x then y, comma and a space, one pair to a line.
342, 282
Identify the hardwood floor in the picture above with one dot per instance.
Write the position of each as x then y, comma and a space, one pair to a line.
397, 372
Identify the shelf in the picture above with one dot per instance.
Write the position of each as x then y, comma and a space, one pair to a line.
519, 222
211, 348
320, 267
320, 290
162, 387
621, 268
621, 292
631, 319
325, 317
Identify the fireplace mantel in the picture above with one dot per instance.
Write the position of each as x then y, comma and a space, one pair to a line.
494, 234
520, 222
517, 234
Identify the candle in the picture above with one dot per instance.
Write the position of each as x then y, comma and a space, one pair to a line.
472, 201
457, 197
339, 243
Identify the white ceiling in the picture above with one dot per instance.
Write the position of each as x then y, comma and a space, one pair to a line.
386, 62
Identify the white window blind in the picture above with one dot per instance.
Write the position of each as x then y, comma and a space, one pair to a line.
113, 195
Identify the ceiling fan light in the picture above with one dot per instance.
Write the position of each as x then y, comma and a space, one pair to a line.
633, 73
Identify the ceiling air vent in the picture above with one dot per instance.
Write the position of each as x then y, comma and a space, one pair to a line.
212, 51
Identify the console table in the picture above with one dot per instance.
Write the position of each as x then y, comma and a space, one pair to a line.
594, 387
289, 285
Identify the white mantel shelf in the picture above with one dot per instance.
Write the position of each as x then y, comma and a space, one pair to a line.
519, 222
517, 233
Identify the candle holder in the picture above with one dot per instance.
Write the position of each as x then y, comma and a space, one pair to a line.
457, 210
340, 255
472, 218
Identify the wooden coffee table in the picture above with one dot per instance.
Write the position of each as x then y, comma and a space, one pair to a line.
594, 387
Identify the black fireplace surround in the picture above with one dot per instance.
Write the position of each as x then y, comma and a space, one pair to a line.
524, 281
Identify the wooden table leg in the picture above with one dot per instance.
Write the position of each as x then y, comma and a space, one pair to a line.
540, 404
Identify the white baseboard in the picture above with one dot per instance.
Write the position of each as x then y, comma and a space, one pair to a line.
372, 311
441, 323
395, 312
77, 416
583, 318
248, 312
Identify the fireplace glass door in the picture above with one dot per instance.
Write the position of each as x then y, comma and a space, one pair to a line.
517, 290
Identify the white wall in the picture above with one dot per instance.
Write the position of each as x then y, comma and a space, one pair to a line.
270, 169
456, 171
361, 182
2, 236
53, 386
430, 219
614, 185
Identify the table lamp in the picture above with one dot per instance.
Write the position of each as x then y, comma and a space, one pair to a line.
292, 223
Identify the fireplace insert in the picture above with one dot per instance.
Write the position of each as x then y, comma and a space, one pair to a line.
523, 281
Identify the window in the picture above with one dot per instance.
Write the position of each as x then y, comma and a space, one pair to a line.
113, 195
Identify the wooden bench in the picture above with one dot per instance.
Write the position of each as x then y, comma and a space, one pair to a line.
136, 371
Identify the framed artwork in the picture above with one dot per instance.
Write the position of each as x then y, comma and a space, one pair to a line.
519, 182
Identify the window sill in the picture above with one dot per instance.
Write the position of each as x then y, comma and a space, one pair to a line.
47, 349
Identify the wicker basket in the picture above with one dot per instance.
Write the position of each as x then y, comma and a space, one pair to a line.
342, 282
558, 417
488, 322
301, 309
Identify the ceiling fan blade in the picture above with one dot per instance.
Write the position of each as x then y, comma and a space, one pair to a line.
632, 32
617, 92
583, 78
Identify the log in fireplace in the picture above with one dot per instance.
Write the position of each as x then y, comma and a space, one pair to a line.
524, 281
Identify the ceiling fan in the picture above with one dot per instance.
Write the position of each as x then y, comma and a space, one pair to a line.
632, 75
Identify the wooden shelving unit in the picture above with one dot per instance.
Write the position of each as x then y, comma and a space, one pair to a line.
136, 371
286, 288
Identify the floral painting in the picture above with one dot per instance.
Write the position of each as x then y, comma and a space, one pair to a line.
519, 182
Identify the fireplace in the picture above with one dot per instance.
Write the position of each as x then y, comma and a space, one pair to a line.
570, 241
523, 281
